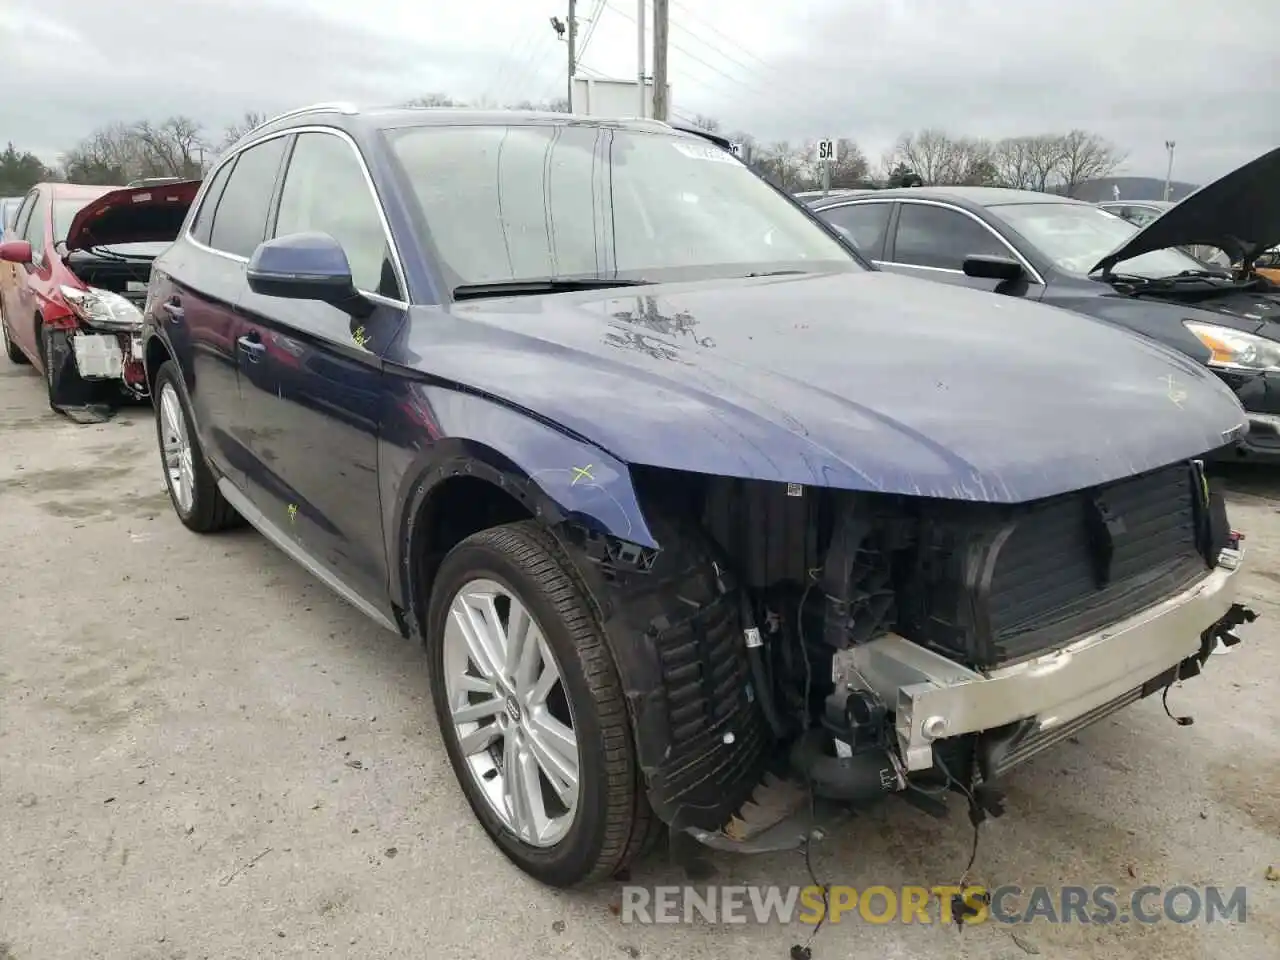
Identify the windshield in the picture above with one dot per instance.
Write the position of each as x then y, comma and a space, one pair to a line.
1076, 236
508, 203
65, 210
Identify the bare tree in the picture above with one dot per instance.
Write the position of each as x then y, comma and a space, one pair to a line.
1045, 160
433, 100
967, 160
1085, 156
120, 152
783, 165
927, 152
174, 148
1012, 159
703, 122
234, 131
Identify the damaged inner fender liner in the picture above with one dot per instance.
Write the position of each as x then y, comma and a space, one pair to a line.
767, 646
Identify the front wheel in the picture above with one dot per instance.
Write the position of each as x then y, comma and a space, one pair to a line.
531, 708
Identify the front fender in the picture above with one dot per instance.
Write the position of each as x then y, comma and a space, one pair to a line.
432, 434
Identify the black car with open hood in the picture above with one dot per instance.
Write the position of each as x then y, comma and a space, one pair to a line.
1074, 255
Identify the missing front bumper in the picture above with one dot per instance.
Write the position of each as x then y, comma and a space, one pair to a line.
934, 698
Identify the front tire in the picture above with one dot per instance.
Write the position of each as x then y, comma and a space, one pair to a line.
193, 490
522, 680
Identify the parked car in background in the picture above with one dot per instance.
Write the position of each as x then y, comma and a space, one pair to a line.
1142, 212
1068, 253
8, 210
682, 496
75, 270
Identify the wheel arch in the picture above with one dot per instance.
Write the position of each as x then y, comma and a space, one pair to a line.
155, 354
463, 486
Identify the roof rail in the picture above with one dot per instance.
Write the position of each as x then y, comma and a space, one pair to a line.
719, 139
347, 109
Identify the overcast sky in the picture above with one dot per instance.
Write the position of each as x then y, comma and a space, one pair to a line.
1137, 71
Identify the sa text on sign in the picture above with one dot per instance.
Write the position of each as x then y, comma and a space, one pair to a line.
827, 151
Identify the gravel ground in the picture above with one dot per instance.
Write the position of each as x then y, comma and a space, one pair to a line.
204, 754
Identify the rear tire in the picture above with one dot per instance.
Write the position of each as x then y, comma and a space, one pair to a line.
482, 583
11, 349
193, 489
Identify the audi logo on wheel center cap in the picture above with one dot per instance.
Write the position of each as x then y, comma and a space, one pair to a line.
513, 709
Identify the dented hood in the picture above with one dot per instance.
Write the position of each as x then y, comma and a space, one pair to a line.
149, 214
864, 380
1240, 213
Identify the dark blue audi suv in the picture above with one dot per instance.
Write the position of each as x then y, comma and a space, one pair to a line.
708, 525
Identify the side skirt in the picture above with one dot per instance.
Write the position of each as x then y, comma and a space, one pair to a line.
289, 546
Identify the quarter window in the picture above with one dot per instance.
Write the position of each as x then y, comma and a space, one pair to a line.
325, 191
202, 225
863, 223
930, 236
240, 220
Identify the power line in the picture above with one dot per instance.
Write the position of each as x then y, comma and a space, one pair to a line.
533, 64
788, 84
596, 13
714, 69
508, 59
727, 39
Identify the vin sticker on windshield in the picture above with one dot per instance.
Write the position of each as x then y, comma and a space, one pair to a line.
705, 151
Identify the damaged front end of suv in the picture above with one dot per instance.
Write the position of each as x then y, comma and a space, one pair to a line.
842, 646
896, 547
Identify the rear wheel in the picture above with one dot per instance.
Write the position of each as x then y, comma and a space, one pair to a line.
11, 349
193, 489
531, 708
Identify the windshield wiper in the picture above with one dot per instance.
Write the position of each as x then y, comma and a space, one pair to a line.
517, 288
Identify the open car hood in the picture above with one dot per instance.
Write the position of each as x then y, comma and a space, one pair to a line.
1240, 213
150, 214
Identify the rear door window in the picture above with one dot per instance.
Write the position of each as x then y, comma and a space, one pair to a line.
863, 223
240, 220
938, 237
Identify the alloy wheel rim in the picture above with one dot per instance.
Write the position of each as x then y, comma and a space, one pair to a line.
510, 713
176, 449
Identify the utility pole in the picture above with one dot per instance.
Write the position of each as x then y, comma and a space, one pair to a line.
1168, 176
640, 57
661, 24
573, 47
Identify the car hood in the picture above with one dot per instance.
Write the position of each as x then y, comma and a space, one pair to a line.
150, 214
1239, 213
864, 380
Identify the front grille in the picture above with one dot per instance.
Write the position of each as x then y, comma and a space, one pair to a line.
1043, 589
995, 585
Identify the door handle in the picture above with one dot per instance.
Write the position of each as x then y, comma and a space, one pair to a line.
252, 346
173, 307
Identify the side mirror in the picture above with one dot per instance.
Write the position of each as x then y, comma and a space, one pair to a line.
305, 266
15, 251
984, 267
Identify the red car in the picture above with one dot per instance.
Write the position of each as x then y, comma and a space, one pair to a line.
76, 264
